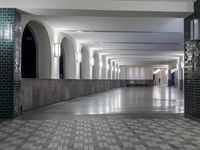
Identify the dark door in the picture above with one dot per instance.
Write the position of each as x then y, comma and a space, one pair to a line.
28, 54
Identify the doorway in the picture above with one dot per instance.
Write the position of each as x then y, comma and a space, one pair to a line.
29, 66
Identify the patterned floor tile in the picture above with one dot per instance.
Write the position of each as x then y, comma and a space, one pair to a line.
99, 134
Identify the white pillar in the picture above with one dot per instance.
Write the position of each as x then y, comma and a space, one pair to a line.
118, 71
110, 69
104, 68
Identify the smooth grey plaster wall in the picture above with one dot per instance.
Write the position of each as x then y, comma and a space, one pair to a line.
37, 93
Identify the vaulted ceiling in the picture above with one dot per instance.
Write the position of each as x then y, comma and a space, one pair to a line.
130, 32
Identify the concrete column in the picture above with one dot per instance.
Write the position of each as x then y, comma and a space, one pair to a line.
113, 70
118, 72
100, 67
85, 64
104, 68
107, 68
110, 69
96, 66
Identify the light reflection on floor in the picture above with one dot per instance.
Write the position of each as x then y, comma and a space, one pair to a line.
123, 101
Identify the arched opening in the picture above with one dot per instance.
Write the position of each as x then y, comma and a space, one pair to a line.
69, 59
85, 64
29, 62
36, 51
61, 62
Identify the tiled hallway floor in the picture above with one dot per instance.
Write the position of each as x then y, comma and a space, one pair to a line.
121, 119
100, 134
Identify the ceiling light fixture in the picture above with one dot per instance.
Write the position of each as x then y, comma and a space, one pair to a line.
112, 68
92, 61
79, 57
107, 67
101, 64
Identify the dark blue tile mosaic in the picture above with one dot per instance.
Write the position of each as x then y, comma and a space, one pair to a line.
9, 57
192, 68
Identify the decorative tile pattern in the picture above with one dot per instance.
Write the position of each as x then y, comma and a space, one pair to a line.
7, 20
7, 62
100, 134
192, 69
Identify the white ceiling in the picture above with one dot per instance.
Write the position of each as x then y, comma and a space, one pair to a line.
131, 32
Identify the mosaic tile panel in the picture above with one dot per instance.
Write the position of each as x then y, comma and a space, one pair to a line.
7, 62
192, 68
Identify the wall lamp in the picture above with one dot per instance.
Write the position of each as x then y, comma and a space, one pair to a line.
116, 69
195, 30
182, 64
194, 35
112, 68
101, 64
177, 66
57, 50
92, 61
107, 67
79, 57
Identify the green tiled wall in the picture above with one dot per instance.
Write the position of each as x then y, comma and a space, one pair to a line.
192, 69
9, 63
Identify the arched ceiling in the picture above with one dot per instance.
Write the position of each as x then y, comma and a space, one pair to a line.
130, 32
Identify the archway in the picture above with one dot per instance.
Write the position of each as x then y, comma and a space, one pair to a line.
69, 61
61, 62
85, 64
36, 47
29, 48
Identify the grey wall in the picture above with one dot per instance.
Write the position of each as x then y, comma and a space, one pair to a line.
136, 73
37, 93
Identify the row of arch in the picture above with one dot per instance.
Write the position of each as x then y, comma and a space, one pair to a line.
37, 57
